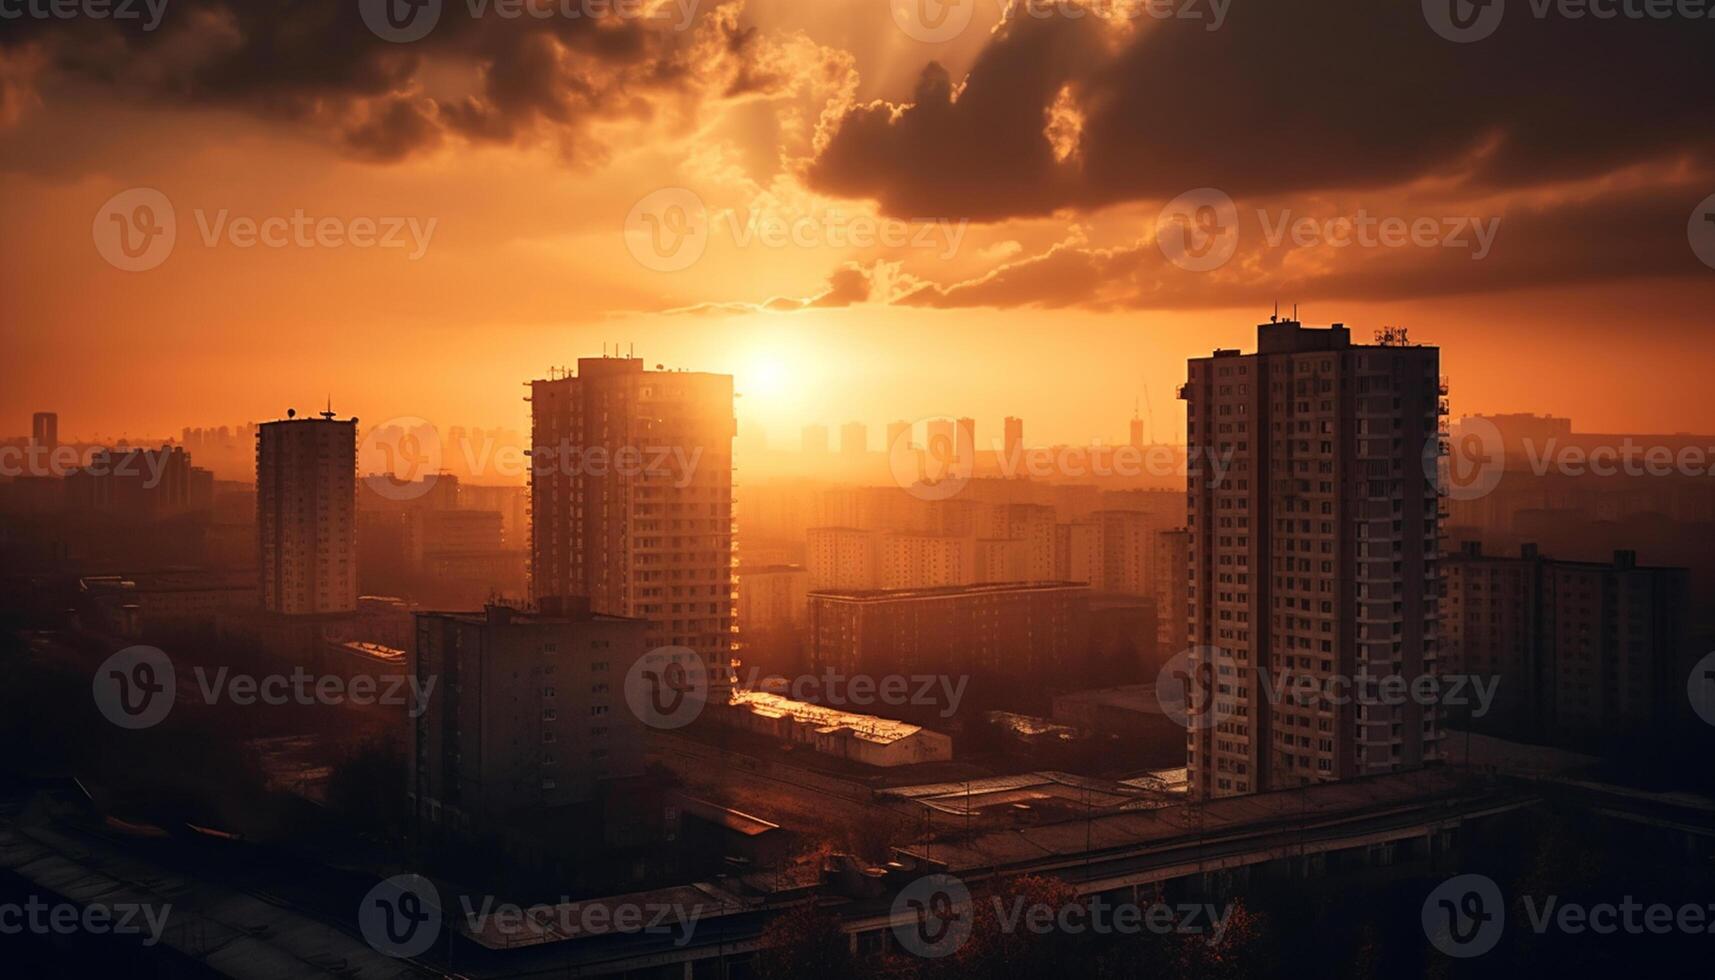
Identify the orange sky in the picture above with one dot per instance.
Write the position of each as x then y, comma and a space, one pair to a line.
528, 264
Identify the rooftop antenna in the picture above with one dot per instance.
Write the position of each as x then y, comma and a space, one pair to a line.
329, 413
1295, 313
1275, 317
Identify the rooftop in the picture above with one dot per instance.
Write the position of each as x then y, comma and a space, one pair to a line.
947, 591
870, 728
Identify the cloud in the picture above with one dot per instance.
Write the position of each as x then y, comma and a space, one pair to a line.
315, 64
1312, 249
848, 285
1283, 98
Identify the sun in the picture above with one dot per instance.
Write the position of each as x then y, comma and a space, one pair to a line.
764, 377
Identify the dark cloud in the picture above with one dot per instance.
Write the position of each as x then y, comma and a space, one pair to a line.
1284, 97
1634, 233
486, 78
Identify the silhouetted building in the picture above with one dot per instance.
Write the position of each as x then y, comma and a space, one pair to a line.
631, 499
306, 521
1013, 445
1313, 542
527, 711
1014, 634
1172, 552
45, 431
139, 485
1580, 649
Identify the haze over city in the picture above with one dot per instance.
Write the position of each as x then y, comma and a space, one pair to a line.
929, 489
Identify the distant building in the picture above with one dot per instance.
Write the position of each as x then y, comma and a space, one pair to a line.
912, 561
1011, 633
843, 558
631, 499
1013, 446
1581, 649
139, 485
528, 711
899, 436
1313, 553
45, 431
1132, 711
130, 605
306, 499
772, 597
1172, 552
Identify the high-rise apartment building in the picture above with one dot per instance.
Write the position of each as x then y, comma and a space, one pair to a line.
631, 499
527, 710
1314, 528
306, 521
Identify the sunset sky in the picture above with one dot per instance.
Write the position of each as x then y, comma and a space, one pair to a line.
1047, 143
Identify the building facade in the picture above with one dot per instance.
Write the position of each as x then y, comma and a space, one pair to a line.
1314, 529
527, 711
1012, 634
631, 499
1579, 648
306, 522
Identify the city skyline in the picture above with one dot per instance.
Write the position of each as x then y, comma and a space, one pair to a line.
923, 489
